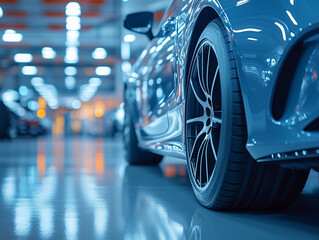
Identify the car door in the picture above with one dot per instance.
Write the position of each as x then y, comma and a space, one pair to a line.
160, 76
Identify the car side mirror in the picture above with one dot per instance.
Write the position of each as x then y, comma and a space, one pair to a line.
141, 22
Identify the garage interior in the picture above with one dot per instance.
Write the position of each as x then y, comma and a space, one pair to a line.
62, 168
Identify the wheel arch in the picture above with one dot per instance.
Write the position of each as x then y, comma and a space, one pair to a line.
206, 15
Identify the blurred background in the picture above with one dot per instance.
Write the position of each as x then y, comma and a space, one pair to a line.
62, 65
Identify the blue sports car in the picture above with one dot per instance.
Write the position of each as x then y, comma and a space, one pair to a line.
232, 87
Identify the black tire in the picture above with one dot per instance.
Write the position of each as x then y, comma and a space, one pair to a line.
230, 178
133, 154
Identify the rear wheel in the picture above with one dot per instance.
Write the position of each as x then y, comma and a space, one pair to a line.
133, 154
222, 173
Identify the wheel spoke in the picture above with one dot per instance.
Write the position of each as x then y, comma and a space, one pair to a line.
206, 162
200, 79
193, 152
214, 80
217, 120
199, 159
207, 69
201, 119
213, 147
199, 100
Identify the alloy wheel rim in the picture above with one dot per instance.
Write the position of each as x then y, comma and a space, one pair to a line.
204, 115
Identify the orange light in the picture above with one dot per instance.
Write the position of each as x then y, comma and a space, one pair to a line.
99, 112
42, 103
41, 113
170, 171
41, 158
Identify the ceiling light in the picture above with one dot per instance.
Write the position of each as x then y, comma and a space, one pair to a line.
37, 81
29, 70
103, 71
125, 51
72, 36
73, 26
73, 19
95, 82
70, 71
23, 58
23, 90
33, 105
69, 82
1, 12
126, 66
76, 104
73, 9
129, 38
48, 53
71, 60
10, 95
71, 55
99, 53
12, 36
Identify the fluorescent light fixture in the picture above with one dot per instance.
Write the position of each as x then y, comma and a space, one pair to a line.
23, 90
37, 81
10, 95
75, 26
71, 55
12, 36
126, 66
29, 70
73, 9
33, 105
76, 104
95, 82
1, 12
23, 58
48, 53
69, 82
73, 19
125, 51
129, 38
87, 91
99, 53
71, 60
70, 71
103, 71
72, 36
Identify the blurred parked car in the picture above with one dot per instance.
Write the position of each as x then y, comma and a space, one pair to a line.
5, 123
114, 121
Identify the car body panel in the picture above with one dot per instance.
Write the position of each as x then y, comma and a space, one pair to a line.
262, 39
262, 33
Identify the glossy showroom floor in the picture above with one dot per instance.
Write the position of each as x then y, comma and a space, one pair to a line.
82, 189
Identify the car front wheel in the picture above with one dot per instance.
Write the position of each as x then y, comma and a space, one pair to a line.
222, 173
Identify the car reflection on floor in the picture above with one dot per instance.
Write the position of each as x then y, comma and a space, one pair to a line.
81, 188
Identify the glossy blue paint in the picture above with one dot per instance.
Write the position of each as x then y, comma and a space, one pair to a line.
262, 38
262, 32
